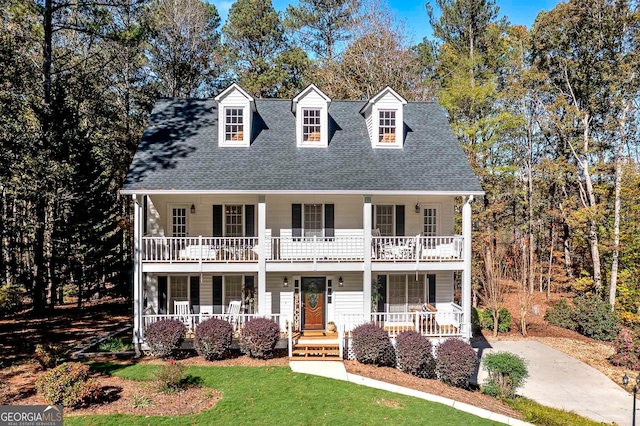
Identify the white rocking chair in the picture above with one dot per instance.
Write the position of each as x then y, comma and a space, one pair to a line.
181, 310
233, 313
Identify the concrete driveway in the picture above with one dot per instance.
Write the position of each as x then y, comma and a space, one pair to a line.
558, 380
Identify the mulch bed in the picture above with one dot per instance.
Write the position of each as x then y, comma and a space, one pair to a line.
396, 377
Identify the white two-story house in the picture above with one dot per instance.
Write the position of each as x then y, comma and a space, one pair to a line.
308, 211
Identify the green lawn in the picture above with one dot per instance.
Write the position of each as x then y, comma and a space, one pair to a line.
277, 396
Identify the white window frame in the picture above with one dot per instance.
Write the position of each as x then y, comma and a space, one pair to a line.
407, 304
225, 283
382, 126
393, 219
235, 97
225, 124
317, 125
242, 219
304, 215
307, 101
438, 210
186, 220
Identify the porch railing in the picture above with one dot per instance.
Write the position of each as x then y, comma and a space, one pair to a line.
198, 249
417, 248
191, 321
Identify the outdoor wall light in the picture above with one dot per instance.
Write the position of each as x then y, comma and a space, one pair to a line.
285, 282
340, 282
625, 382
417, 208
193, 208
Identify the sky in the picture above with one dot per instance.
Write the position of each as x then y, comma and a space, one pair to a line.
414, 14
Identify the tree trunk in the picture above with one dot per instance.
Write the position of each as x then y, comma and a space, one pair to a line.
616, 209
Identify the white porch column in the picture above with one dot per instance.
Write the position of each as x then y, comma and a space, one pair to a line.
466, 272
137, 269
262, 250
366, 276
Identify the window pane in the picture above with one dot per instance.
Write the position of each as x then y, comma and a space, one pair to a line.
233, 220
415, 292
387, 126
233, 129
429, 229
384, 220
179, 221
232, 289
178, 290
311, 125
397, 293
313, 220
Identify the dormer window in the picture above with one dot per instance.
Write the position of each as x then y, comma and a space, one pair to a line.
311, 129
387, 126
233, 124
235, 110
311, 108
384, 116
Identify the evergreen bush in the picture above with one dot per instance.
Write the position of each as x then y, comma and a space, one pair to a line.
372, 345
486, 320
68, 384
456, 361
594, 318
561, 315
213, 338
164, 337
507, 372
415, 354
259, 338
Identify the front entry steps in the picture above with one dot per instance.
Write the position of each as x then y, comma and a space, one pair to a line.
316, 345
316, 351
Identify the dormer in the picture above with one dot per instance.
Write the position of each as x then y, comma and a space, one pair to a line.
311, 108
384, 116
235, 111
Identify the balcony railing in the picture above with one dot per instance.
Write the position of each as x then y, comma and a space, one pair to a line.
191, 321
417, 249
197, 249
345, 246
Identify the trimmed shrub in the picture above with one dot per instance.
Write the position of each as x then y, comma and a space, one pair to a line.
507, 372
594, 318
47, 355
259, 338
561, 315
68, 384
170, 377
371, 345
456, 361
213, 338
486, 320
415, 354
164, 337
627, 350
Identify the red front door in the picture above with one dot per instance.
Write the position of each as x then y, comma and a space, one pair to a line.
313, 302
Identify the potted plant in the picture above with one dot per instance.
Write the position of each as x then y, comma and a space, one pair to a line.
331, 327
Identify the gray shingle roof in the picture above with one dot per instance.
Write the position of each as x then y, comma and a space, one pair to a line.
179, 151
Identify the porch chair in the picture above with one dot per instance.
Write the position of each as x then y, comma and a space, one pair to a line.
181, 310
233, 313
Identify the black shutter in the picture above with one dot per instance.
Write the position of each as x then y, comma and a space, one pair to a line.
145, 213
431, 282
296, 220
382, 291
194, 291
373, 217
217, 294
329, 222
249, 220
399, 221
162, 295
217, 220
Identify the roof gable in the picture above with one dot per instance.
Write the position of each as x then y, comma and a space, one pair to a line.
387, 93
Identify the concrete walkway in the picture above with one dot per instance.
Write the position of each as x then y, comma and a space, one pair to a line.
560, 381
336, 370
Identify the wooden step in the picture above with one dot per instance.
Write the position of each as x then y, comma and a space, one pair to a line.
316, 351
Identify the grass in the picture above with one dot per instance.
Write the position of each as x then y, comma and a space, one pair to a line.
115, 344
277, 396
543, 415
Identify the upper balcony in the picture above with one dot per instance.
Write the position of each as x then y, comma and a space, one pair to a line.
347, 245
